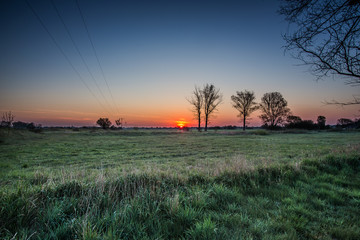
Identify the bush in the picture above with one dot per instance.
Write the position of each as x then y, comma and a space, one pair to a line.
104, 123
295, 122
261, 132
35, 128
20, 125
266, 126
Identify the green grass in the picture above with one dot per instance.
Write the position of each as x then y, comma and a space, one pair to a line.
167, 184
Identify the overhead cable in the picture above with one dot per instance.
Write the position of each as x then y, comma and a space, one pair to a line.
78, 51
63, 53
95, 53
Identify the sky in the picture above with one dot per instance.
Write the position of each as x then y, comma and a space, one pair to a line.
144, 58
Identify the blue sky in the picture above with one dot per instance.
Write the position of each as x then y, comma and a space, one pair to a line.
152, 53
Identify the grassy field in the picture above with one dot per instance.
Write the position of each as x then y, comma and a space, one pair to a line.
168, 184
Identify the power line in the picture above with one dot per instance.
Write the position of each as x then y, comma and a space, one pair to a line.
78, 51
95, 53
63, 53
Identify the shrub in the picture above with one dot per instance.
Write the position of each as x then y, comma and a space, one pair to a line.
103, 122
261, 132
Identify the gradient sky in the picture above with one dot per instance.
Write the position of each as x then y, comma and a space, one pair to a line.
152, 53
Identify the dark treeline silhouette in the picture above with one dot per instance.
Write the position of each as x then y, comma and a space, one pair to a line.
348, 123
228, 127
27, 126
295, 122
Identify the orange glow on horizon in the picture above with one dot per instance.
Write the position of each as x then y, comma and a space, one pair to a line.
181, 124
168, 117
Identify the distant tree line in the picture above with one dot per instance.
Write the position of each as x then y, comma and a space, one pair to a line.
24, 125
295, 122
348, 123
7, 121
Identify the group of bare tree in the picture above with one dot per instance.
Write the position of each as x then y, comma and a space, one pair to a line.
273, 107
275, 112
205, 102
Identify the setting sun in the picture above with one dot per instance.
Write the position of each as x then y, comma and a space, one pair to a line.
181, 124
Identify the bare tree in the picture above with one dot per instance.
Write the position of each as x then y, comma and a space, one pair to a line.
326, 37
7, 119
197, 102
245, 103
274, 108
120, 122
212, 99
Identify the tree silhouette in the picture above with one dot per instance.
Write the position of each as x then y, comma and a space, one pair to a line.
274, 108
212, 99
7, 119
321, 122
119, 122
103, 122
344, 122
326, 37
197, 102
293, 121
245, 103
20, 125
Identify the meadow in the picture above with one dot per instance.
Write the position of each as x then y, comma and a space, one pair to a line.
171, 184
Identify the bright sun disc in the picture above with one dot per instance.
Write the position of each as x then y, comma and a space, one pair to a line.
181, 124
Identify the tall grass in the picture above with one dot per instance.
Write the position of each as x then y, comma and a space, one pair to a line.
317, 199
179, 185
